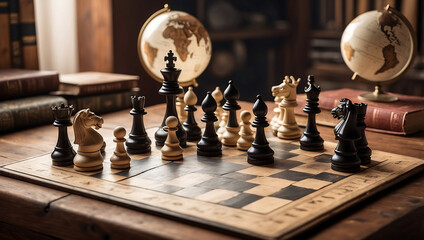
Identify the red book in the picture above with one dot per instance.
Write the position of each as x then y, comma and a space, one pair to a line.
403, 117
16, 83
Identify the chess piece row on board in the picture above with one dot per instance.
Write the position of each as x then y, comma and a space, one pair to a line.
172, 135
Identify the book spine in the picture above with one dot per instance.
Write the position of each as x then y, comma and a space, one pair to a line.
106, 88
15, 38
102, 103
5, 60
28, 39
28, 86
27, 112
378, 118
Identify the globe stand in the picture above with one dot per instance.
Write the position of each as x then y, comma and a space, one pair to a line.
378, 96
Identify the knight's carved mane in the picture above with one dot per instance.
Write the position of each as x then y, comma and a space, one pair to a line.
79, 126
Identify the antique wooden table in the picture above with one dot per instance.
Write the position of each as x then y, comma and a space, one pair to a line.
31, 211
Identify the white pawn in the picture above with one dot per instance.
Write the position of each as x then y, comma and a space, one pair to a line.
246, 134
172, 150
217, 95
120, 158
222, 125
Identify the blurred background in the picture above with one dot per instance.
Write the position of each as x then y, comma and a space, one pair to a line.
255, 43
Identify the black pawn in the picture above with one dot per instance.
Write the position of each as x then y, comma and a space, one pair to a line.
138, 141
364, 152
231, 95
209, 145
260, 153
63, 154
345, 158
170, 89
311, 140
194, 133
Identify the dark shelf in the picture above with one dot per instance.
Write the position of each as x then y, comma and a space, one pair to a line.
250, 33
335, 34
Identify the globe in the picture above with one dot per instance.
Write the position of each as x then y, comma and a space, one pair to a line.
183, 34
378, 46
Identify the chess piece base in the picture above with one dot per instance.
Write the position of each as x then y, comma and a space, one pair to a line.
138, 151
88, 169
172, 158
311, 143
63, 156
365, 155
120, 166
289, 132
260, 161
230, 136
344, 169
345, 163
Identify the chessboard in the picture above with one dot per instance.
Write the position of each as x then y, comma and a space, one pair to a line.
226, 193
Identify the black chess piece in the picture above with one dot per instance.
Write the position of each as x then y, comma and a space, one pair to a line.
311, 140
260, 153
63, 154
345, 158
231, 95
194, 133
364, 152
170, 89
209, 145
138, 140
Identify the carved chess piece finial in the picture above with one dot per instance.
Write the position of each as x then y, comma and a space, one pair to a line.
364, 152
231, 95
260, 153
120, 158
138, 140
194, 133
172, 150
88, 157
209, 145
345, 158
63, 154
217, 95
170, 89
246, 134
311, 140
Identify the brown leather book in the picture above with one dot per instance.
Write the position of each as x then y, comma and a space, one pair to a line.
402, 117
16, 83
91, 83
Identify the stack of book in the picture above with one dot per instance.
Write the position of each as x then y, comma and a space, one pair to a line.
101, 92
402, 117
24, 99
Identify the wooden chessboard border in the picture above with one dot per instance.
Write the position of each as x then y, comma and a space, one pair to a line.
415, 166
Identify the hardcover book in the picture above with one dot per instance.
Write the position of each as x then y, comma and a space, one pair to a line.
91, 83
102, 103
27, 112
402, 117
15, 83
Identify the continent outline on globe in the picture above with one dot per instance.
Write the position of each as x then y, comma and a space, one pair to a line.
180, 32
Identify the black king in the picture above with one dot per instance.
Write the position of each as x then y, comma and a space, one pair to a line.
170, 89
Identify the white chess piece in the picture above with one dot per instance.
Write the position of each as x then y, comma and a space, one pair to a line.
172, 150
120, 158
246, 134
